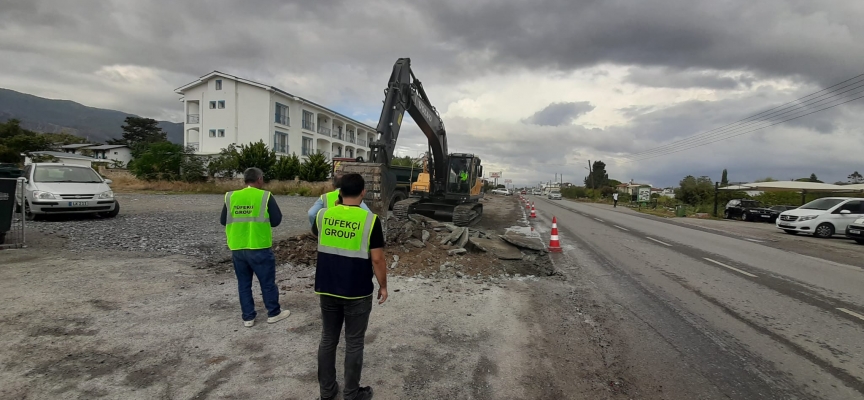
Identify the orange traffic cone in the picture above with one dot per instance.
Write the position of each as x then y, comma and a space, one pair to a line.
533, 211
554, 244
527, 205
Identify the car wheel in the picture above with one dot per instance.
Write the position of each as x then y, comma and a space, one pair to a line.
113, 213
744, 216
28, 215
790, 231
824, 230
859, 241
726, 214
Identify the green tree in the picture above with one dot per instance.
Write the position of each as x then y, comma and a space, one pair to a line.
765, 179
598, 177
138, 133
287, 168
225, 164
15, 140
315, 168
404, 161
724, 179
812, 178
159, 161
695, 191
855, 177
256, 155
193, 168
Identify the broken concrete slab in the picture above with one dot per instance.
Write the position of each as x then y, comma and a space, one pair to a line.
456, 252
463, 240
424, 236
455, 235
531, 243
499, 248
416, 243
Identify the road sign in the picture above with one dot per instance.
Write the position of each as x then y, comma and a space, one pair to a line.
495, 175
644, 194
508, 181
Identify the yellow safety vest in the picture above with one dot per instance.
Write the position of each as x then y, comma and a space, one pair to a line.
247, 226
344, 268
330, 198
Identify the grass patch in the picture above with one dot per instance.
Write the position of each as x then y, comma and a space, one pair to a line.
126, 184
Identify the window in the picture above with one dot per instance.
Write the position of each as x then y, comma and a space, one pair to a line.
221, 103
280, 142
221, 133
212, 104
307, 121
212, 133
282, 115
307, 146
853, 206
218, 84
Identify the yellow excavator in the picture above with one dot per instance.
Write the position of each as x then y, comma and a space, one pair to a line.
449, 188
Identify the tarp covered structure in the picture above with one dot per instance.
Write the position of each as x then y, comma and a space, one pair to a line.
796, 186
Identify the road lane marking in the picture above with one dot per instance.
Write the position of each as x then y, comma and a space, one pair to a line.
732, 268
621, 228
599, 219
663, 243
852, 313
754, 240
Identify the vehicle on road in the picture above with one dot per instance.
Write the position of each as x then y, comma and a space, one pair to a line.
855, 231
55, 188
504, 192
746, 210
777, 210
524, 192
536, 192
822, 217
554, 194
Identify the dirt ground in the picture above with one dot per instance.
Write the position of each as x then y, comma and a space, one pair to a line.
146, 325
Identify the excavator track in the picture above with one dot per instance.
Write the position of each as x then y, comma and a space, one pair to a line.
467, 214
402, 208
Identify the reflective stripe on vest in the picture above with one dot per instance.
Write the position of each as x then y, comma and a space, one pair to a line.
329, 199
334, 231
247, 224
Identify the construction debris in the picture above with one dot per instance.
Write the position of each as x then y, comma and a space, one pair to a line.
525, 242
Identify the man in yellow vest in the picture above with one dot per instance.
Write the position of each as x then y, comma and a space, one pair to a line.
350, 252
326, 200
249, 216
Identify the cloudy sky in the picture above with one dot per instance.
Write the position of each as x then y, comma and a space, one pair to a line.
534, 87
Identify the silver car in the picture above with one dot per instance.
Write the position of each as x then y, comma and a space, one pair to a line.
554, 195
54, 188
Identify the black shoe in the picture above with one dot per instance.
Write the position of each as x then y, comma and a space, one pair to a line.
334, 396
364, 393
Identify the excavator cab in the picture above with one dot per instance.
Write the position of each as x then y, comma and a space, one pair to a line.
463, 174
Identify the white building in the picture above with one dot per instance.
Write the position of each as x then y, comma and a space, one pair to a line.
61, 157
111, 152
222, 109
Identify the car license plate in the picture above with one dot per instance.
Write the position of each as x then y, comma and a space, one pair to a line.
854, 231
766, 216
77, 203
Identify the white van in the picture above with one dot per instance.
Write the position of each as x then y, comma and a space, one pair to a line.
823, 217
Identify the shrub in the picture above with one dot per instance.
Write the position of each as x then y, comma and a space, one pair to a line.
256, 155
225, 164
158, 161
287, 168
315, 168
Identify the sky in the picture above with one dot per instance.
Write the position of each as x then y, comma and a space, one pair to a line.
534, 88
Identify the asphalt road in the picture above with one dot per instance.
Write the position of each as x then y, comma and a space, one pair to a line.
718, 316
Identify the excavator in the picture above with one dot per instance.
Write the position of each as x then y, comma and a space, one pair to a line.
452, 189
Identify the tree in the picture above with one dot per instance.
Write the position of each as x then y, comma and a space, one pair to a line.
159, 161
404, 161
613, 183
256, 155
315, 168
15, 140
855, 177
695, 191
287, 168
724, 179
225, 164
598, 177
765, 179
193, 168
812, 178
138, 133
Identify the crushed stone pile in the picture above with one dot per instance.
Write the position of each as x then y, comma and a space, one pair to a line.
423, 247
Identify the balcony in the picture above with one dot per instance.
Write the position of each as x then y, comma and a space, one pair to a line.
193, 145
352, 139
307, 151
282, 119
361, 142
326, 154
281, 148
324, 131
309, 125
338, 135
193, 118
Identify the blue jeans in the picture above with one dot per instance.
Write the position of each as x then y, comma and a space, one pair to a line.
262, 263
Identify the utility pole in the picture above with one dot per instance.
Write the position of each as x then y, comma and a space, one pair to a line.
591, 174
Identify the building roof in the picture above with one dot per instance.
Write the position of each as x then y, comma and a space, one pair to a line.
791, 186
105, 147
204, 79
75, 145
60, 154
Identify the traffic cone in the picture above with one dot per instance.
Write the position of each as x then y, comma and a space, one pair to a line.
554, 244
533, 211
527, 205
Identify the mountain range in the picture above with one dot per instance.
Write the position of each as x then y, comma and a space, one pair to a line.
55, 116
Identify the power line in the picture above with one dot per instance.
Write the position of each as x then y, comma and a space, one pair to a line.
762, 117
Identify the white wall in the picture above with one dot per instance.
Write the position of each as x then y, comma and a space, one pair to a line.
123, 154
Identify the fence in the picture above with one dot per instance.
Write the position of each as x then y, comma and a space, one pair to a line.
14, 238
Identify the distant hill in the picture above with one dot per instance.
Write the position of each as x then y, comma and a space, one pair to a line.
55, 116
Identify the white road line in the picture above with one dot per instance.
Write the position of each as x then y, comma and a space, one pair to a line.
732, 268
621, 228
599, 219
754, 240
852, 313
663, 243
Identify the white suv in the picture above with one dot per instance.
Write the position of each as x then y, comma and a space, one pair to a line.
501, 191
53, 188
823, 217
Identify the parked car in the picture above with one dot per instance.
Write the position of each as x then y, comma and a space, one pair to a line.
504, 192
823, 217
54, 188
554, 195
777, 210
746, 210
855, 230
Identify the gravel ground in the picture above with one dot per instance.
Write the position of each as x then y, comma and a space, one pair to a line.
165, 224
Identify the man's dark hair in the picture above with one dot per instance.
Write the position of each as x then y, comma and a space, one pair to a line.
252, 175
352, 185
337, 182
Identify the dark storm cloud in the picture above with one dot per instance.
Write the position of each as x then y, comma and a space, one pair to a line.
557, 114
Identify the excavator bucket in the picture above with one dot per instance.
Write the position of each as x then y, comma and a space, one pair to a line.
380, 183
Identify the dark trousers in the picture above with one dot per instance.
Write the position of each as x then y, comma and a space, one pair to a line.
614, 203
355, 314
262, 264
